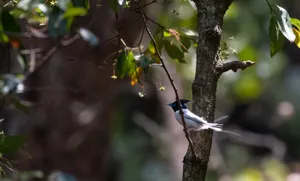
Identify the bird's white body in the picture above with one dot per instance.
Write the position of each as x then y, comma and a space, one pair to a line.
194, 122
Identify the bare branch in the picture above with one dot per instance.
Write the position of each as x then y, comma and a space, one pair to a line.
170, 79
233, 65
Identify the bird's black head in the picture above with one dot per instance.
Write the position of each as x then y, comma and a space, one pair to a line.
175, 106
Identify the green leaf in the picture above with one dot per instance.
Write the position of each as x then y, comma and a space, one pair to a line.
167, 34
296, 23
121, 64
3, 37
8, 22
10, 144
126, 64
284, 22
174, 51
88, 36
72, 12
276, 37
186, 42
57, 25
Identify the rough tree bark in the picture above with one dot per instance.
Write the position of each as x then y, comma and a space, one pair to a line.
208, 70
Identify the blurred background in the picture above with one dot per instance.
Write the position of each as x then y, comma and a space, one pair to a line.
83, 125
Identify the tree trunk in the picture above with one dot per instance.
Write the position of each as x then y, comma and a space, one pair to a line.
210, 14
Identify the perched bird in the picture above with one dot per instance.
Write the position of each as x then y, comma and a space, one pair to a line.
194, 122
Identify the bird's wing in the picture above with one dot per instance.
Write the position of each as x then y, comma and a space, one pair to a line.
193, 117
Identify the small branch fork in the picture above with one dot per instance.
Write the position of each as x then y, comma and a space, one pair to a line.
169, 77
233, 65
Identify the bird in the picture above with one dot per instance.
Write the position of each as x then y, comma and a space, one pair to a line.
194, 122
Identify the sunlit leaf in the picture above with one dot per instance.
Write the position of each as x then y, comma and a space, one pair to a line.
88, 36
10, 144
296, 23
167, 34
71, 12
297, 40
276, 37
126, 66
284, 22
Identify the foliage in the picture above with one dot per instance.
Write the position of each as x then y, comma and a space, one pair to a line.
176, 39
9, 145
58, 17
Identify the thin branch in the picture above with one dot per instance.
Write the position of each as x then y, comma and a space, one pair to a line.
154, 22
145, 5
29, 51
234, 66
150, 19
70, 40
25, 35
170, 79
8, 167
54, 49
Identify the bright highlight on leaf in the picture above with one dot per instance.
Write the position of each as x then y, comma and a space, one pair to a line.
284, 22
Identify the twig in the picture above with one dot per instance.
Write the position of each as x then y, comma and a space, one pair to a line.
70, 40
54, 49
145, 5
233, 65
170, 79
8, 167
148, 18
154, 22
23, 35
